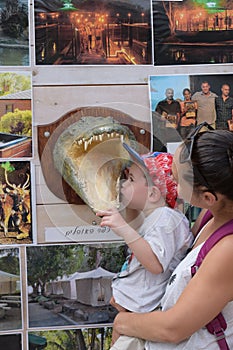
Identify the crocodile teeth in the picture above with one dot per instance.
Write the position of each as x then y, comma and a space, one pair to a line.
98, 138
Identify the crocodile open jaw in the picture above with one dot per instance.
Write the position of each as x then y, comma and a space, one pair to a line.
90, 157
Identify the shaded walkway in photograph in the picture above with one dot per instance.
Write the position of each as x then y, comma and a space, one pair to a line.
12, 319
42, 317
68, 312
100, 58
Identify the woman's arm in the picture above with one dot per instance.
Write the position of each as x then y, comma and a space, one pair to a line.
205, 296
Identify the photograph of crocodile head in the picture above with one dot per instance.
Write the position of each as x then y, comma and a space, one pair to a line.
90, 157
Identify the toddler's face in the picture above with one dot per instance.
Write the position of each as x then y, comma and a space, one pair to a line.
135, 189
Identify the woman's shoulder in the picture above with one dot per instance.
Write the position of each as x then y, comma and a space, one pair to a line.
218, 259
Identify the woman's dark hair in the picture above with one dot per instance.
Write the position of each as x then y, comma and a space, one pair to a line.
212, 155
186, 89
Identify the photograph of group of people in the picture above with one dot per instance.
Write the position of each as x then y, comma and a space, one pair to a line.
182, 102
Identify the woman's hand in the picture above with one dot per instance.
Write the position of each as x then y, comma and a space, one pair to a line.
117, 306
115, 336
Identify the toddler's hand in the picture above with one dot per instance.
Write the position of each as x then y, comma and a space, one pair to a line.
113, 219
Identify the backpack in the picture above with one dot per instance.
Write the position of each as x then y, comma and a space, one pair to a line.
218, 324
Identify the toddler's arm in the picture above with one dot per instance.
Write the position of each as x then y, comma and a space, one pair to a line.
138, 245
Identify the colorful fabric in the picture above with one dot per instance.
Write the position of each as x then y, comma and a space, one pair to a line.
159, 165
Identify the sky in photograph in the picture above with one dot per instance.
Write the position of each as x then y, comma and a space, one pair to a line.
158, 85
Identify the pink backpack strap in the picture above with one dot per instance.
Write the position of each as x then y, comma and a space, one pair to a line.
218, 324
217, 327
206, 217
224, 230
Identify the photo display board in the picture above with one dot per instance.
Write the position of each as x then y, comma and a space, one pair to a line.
76, 79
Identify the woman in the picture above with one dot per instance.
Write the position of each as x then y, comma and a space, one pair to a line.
203, 166
188, 114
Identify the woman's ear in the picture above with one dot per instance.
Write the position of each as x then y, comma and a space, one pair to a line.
154, 194
209, 198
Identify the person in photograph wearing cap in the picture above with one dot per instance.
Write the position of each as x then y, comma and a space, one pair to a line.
157, 246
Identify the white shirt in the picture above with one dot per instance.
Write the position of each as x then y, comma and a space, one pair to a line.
201, 339
167, 231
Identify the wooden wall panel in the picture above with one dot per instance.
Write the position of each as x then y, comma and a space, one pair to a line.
52, 102
115, 75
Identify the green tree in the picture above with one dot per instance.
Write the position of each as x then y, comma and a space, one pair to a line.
17, 122
48, 263
14, 18
12, 82
110, 259
9, 260
91, 339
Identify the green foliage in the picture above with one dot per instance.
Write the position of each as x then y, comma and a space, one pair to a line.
47, 263
9, 261
50, 262
113, 259
77, 339
110, 259
14, 18
8, 167
11, 82
11, 120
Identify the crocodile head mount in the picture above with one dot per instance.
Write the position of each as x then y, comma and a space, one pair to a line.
90, 157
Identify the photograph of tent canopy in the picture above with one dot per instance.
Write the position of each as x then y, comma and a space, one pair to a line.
9, 283
94, 287
76, 291
91, 288
10, 290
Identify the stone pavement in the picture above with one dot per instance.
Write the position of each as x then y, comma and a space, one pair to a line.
41, 317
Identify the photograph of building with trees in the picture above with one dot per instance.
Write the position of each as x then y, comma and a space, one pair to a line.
193, 32
15, 115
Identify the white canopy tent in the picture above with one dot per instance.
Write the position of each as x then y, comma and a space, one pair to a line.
94, 287
69, 287
54, 287
91, 287
9, 283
